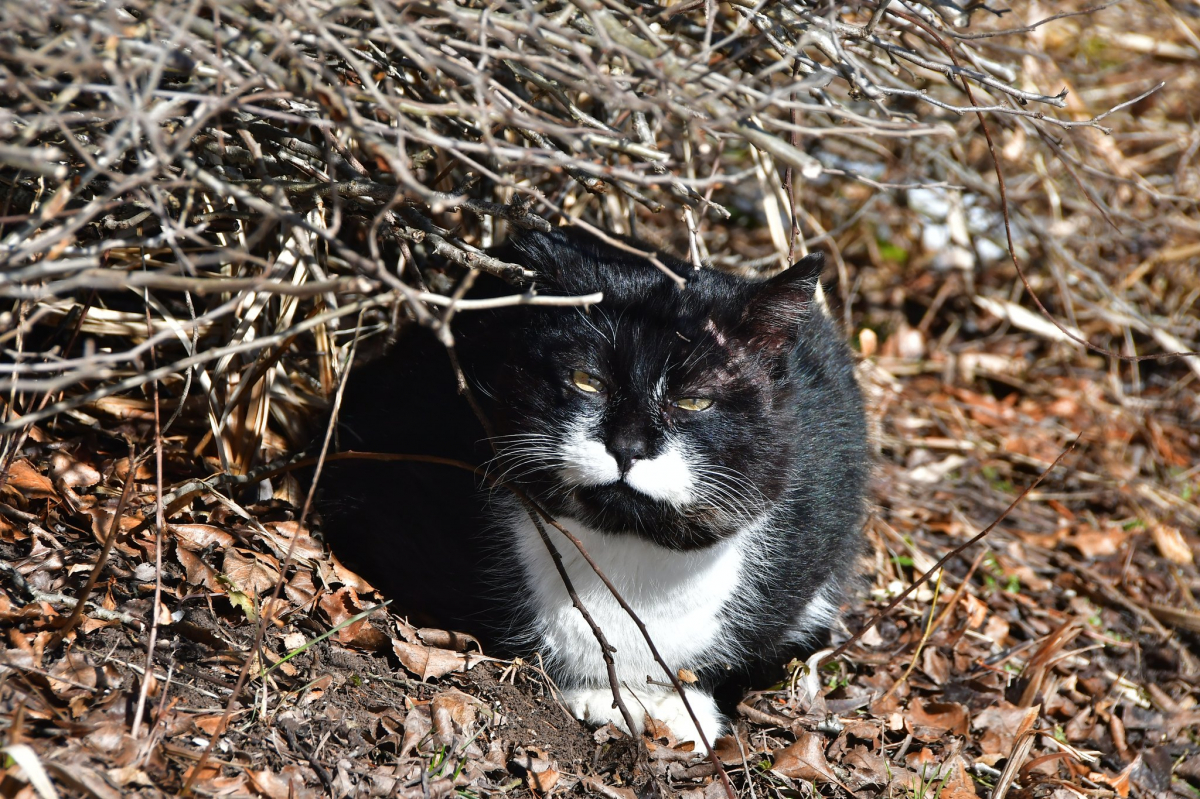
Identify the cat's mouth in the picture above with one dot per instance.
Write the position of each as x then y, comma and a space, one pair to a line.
620, 508
620, 499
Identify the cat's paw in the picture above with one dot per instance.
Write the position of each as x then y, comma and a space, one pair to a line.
595, 706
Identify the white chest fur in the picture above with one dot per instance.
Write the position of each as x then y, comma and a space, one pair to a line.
678, 595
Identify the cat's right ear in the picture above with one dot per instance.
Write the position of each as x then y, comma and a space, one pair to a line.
771, 322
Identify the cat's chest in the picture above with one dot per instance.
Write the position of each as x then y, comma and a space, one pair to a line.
679, 596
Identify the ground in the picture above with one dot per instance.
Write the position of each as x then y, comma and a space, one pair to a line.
1061, 656
226, 652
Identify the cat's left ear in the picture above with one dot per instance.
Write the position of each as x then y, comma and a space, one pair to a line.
771, 321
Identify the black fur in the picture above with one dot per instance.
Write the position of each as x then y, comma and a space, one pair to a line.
786, 414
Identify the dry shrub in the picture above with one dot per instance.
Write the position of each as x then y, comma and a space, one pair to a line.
221, 195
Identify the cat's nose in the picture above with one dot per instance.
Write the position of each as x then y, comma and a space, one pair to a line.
626, 449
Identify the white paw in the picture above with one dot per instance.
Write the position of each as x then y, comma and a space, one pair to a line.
595, 706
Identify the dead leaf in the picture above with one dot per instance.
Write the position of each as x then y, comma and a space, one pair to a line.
956, 783
301, 589
931, 473
347, 577
28, 483
429, 662
1093, 543
658, 731
282, 535
728, 751
87, 781
288, 784
1119, 783
199, 537
1171, 545
602, 788
130, 775
70, 472
249, 572
869, 768
919, 760
939, 717
198, 572
542, 781
102, 519
453, 713
341, 606
935, 665
120, 470
417, 726
805, 759
1003, 725
447, 639
210, 725
74, 673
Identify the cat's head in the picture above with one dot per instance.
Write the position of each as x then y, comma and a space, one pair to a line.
664, 411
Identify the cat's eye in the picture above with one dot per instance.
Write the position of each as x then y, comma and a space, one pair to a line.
587, 383
693, 404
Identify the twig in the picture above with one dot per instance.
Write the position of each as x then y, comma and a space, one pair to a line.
936, 568
114, 528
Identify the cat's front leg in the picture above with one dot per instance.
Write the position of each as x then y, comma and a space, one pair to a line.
595, 706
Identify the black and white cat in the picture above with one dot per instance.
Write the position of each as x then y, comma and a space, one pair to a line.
706, 444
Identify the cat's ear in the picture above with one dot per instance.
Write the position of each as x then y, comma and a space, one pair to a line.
771, 322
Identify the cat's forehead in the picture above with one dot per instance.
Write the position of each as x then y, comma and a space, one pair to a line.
644, 343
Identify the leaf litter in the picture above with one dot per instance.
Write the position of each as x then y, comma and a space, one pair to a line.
1058, 658
1067, 660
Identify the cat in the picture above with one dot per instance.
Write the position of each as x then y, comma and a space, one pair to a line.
706, 444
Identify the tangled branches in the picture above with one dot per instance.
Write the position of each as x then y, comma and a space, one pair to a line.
222, 194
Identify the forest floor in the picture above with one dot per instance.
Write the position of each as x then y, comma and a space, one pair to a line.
1060, 656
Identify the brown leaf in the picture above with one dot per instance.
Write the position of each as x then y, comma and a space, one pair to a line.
340, 606
429, 662
941, 717
71, 473
1119, 783
1171, 545
288, 784
199, 537
447, 639
86, 781
453, 713
130, 775
602, 788
198, 572
301, 589
935, 665
305, 549
347, 577
956, 783
121, 470
919, 760
28, 483
542, 781
1003, 725
869, 768
102, 522
805, 759
1093, 543
728, 751
250, 572
211, 725
658, 731
74, 673
417, 726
